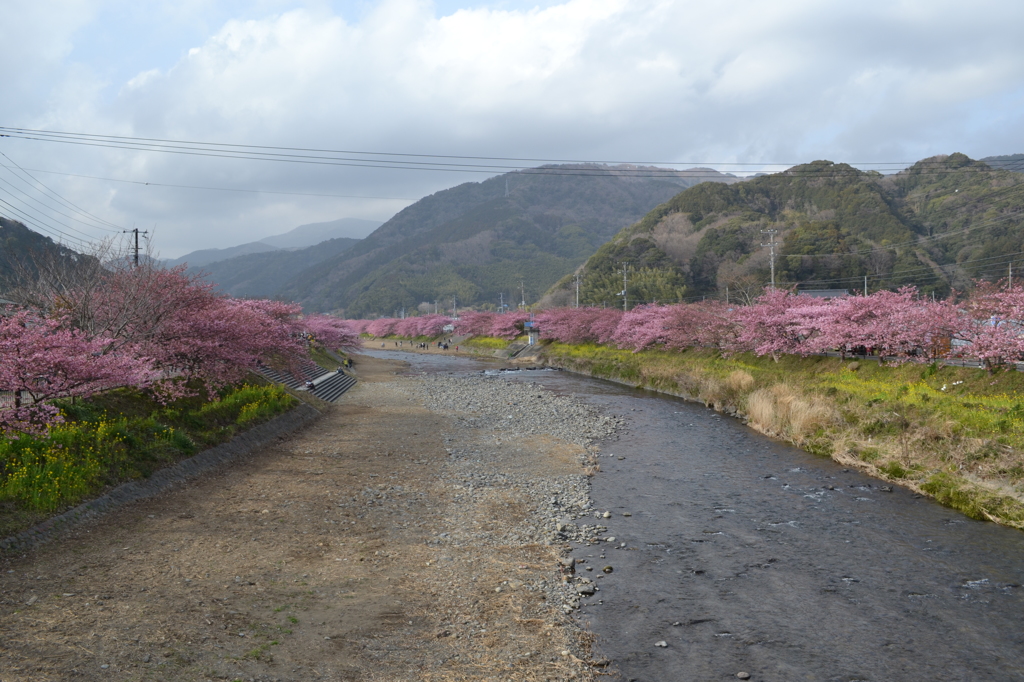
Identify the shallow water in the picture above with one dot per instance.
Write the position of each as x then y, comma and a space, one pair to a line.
743, 554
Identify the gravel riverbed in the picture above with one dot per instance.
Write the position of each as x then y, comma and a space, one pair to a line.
420, 530
494, 416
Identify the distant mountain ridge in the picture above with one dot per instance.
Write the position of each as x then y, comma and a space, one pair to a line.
206, 256
1010, 162
314, 233
19, 249
299, 238
263, 275
938, 225
473, 242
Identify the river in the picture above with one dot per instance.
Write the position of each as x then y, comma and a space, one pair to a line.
746, 555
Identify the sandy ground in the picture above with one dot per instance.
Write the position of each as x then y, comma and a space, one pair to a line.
316, 559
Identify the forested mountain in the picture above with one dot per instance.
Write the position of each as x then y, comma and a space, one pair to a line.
262, 275
1014, 162
938, 225
474, 242
23, 251
301, 237
312, 234
205, 256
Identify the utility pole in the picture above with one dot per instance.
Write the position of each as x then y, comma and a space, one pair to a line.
865, 285
455, 310
577, 291
522, 290
435, 306
501, 302
506, 188
135, 231
771, 250
727, 294
625, 294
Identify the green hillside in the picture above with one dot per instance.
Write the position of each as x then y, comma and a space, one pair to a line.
940, 224
262, 275
473, 243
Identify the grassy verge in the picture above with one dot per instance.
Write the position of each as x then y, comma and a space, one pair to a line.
954, 433
115, 437
321, 357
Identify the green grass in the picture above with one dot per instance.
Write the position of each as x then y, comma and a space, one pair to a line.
118, 436
323, 358
486, 342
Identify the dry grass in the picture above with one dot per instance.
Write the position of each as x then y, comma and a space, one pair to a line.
740, 381
782, 411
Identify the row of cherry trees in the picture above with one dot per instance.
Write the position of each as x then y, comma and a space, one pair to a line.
149, 328
988, 325
896, 324
504, 326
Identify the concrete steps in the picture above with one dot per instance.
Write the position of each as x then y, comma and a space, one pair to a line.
308, 371
332, 387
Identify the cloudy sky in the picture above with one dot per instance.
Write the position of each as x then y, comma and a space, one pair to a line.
739, 86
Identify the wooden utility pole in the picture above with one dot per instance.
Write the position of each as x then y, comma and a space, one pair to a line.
771, 250
136, 232
625, 290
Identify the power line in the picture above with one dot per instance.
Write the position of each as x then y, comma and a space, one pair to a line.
383, 159
46, 207
40, 226
125, 138
218, 189
60, 199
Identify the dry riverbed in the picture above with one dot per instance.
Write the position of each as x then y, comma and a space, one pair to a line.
415, 532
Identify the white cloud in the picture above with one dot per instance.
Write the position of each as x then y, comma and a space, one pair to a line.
791, 80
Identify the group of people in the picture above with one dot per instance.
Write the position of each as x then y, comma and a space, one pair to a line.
441, 345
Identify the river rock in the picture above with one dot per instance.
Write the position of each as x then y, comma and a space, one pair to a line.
585, 589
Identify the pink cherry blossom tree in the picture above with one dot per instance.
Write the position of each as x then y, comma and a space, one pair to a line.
707, 324
579, 325
508, 325
332, 332
43, 360
769, 327
471, 323
381, 327
642, 327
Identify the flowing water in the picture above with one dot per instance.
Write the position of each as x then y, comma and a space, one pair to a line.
745, 555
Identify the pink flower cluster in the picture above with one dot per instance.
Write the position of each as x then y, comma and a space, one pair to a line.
424, 325
147, 328
988, 326
900, 325
504, 326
